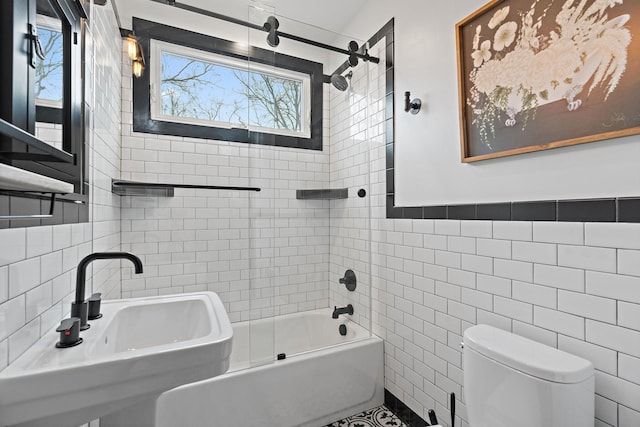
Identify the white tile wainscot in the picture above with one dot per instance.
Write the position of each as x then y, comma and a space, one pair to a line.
586, 301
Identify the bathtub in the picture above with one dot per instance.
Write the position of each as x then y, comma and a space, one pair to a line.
321, 377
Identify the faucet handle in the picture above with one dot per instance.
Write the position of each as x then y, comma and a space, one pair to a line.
349, 280
94, 306
80, 310
69, 333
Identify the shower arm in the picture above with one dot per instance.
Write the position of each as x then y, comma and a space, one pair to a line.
364, 56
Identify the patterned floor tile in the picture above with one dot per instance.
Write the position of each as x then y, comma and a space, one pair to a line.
378, 417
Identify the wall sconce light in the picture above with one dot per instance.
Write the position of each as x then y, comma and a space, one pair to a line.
411, 106
132, 48
137, 68
134, 51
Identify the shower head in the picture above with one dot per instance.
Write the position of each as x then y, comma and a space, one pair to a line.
339, 81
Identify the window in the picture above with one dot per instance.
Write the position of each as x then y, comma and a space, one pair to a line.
193, 86
49, 80
49, 71
206, 87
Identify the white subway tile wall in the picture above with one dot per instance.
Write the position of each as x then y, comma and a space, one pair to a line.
575, 307
357, 126
38, 264
51, 133
265, 253
104, 95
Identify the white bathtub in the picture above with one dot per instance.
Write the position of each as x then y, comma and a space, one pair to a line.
325, 377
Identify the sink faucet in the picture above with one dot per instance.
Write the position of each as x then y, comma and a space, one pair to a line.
342, 310
79, 308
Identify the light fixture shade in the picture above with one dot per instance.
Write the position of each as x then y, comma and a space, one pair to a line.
132, 48
137, 68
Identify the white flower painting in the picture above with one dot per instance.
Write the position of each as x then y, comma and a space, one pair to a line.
524, 59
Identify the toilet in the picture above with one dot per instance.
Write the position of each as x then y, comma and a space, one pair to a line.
511, 381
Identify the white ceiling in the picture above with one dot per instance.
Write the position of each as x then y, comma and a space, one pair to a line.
333, 15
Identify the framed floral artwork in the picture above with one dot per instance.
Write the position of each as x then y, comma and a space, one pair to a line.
540, 74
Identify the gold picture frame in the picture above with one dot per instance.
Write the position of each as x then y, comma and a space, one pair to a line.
541, 74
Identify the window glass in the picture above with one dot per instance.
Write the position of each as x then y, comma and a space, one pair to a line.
49, 71
204, 88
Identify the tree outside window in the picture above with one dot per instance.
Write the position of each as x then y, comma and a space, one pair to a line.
229, 95
49, 81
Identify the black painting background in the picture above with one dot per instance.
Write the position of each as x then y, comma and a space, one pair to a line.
553, 122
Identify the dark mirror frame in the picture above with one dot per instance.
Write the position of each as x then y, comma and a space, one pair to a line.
17, 106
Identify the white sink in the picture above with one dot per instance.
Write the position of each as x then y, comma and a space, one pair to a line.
139, 349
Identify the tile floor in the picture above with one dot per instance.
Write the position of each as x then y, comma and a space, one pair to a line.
377, 417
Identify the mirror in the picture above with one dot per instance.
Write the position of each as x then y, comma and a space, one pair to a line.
49, 75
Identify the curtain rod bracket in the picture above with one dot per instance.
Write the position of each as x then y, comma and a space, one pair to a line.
271, 26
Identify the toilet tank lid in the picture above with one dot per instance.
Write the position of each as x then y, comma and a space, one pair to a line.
531, 357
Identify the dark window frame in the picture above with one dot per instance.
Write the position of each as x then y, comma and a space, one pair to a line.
142, 121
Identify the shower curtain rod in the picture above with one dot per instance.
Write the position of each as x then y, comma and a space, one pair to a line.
365, 56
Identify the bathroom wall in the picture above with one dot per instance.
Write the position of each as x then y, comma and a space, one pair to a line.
357, 125
264, 252
38, 264
426, 66
575, 286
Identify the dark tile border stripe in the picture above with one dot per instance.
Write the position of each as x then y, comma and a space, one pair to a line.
628, 210
585, 210
534, 211
402, 411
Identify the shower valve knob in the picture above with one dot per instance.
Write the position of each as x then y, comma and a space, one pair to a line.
349, 280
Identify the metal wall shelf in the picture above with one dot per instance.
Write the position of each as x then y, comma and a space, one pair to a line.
134, 188
322, 194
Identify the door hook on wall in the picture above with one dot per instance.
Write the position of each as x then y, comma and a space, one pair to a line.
411, 106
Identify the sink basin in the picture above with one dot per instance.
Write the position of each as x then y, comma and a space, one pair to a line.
154, 323
139, 349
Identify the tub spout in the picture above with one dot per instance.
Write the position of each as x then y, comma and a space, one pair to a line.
342, 310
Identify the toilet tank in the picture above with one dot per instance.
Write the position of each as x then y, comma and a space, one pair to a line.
513, 381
